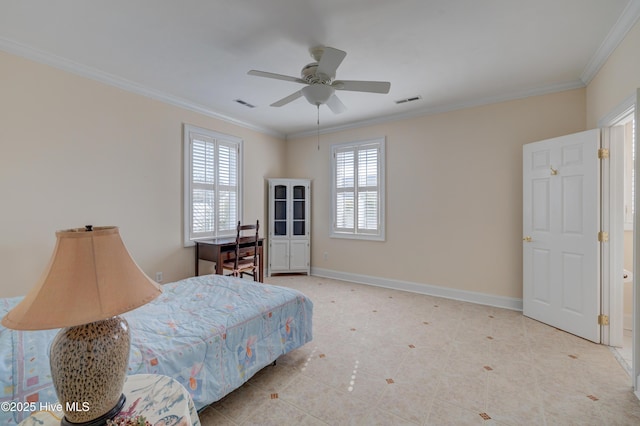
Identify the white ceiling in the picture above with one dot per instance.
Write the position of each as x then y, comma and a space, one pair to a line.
196, 53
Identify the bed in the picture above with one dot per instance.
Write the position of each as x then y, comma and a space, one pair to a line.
211, 333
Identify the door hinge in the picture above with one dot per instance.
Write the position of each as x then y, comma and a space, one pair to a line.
603, 237
603, 153
603, 319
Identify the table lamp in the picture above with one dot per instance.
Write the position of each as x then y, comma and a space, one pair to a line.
90, 280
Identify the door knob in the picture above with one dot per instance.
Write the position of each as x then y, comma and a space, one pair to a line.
527, 239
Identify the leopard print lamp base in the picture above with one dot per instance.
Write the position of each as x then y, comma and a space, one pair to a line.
88, 366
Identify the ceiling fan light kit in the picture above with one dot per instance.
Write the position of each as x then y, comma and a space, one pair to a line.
318, 77
317, 94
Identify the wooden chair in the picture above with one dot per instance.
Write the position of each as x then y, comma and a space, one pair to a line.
245, 260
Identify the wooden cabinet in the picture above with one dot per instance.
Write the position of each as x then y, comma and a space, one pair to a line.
289, 226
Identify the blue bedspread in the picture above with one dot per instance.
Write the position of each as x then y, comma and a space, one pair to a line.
211, 333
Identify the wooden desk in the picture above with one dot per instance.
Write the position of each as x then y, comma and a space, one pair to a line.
220, 249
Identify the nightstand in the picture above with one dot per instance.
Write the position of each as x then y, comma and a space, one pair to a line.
160, 399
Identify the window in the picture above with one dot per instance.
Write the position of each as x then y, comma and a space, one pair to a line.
212, 187
358, 190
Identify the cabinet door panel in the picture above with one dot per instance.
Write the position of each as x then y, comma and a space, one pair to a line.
279, 255
280, 210
298, 255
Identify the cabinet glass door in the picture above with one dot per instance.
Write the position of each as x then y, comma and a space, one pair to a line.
280, 210
299, 207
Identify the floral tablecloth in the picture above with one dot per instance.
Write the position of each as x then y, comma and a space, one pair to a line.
160, 399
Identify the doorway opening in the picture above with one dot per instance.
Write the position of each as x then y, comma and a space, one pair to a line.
623, 140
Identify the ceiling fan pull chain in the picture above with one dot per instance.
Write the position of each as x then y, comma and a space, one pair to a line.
318, 106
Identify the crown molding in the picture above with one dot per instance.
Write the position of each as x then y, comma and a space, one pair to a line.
64, 64
544, 90
625, 22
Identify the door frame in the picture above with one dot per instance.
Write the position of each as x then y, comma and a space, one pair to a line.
612, 196
612, 255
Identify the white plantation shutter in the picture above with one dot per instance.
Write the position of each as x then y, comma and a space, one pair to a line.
212, 183
358, 190
202, 184
227, 187
368, 189
345, 190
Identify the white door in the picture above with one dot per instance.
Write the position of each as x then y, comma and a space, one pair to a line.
561, 215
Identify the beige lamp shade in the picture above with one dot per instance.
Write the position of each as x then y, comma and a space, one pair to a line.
91, 276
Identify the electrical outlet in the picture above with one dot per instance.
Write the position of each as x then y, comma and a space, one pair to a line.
159, 277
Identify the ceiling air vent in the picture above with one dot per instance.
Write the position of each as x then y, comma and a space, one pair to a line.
403, 101
247, 104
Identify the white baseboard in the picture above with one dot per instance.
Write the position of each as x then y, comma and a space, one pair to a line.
427, 289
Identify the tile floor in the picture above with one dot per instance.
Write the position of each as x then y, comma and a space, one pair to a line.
386, 357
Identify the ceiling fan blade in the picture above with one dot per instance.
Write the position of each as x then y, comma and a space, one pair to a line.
329, 61
292, 97
276, 76
362, 86
336, 105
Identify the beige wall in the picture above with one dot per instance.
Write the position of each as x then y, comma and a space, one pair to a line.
616, 80
454, 193
76, 152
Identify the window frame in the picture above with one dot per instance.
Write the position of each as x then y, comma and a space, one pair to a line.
189, 131
358, 232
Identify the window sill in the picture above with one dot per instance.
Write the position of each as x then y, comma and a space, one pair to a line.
365, 237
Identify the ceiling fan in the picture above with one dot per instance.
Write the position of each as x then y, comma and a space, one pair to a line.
319, 77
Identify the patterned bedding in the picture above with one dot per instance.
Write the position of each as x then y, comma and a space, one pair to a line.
211, 333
